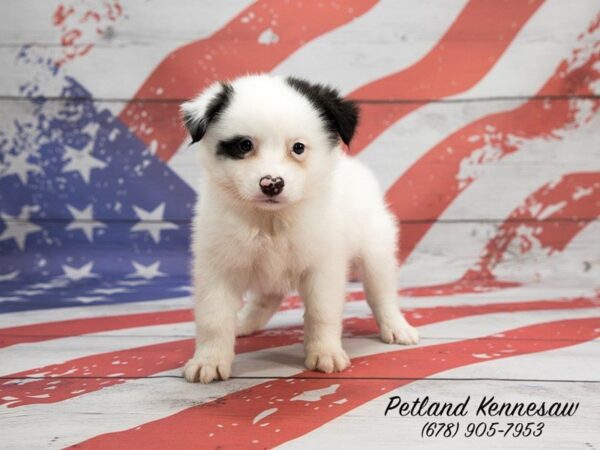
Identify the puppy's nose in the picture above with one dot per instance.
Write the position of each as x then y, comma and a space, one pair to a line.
271, 186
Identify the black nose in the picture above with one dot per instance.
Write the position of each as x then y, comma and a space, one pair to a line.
271, 186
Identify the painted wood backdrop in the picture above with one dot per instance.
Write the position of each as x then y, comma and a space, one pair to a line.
481, 120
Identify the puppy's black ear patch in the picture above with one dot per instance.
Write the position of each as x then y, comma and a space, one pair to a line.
340, 115
196, 128
197, 122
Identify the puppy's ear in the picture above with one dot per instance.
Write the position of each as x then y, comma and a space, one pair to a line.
340, 115
197, 114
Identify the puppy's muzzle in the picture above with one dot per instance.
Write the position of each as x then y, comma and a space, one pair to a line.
271, 186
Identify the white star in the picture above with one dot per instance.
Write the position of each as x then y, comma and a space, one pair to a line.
152, 222
184, 288
90, 299
84, 271
29, 292
91, 129
82, 161
132, 282
83, 220
9, 276
18, 228
109, 291
11, 299
55, 283
146, 272
19, 166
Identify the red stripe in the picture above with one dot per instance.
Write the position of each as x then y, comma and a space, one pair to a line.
149, 360
483, 31
66, 328
530, 226
212, 423
427, 188
470, 283
232, 51
53, 330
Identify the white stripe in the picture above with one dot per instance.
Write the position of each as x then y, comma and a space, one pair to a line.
538, 162
59, 425
26, 357
30, 19
403, 144
565, 363
388, 38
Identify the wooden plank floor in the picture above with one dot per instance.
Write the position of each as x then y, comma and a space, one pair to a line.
123, 386
480, 118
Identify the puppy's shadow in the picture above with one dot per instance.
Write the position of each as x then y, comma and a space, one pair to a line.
268, 362
284, 358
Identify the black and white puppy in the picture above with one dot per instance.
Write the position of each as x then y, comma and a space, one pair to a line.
282, 208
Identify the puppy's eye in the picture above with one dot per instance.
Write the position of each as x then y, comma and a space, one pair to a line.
245, 146
298, 148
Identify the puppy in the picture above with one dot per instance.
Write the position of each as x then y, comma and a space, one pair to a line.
281, 209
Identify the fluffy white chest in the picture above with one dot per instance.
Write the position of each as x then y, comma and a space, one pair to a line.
273, 263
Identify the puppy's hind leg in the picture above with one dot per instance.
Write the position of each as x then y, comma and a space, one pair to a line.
379, 277
256, 312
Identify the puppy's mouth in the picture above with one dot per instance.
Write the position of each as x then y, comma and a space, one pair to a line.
269, 202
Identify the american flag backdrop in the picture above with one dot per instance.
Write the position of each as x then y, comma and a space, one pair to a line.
479, 117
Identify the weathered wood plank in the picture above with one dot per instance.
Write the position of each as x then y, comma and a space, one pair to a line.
569, 251
534, 159
283, 359
385, 432
288, 361
148, 40
396, 40
265, 365
496, 181
446, 256
554, 290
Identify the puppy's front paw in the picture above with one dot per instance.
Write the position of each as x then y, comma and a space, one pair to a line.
327, 360
399, 333
205, 369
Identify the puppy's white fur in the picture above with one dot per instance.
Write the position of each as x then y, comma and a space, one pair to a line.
329, 216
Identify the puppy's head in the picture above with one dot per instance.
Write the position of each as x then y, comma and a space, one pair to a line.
267, 141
